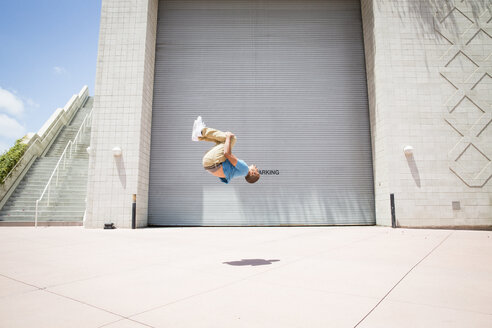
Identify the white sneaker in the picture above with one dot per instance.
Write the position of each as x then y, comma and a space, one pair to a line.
198, 126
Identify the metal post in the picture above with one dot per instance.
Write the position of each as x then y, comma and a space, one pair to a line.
393, 216
134, 211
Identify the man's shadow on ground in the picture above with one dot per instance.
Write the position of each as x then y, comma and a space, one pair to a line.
252, 262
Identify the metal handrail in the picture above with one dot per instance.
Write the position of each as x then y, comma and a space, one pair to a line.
47, 133
63, 156
51, 177
83, 126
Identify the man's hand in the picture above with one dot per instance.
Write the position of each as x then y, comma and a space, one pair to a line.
227, 148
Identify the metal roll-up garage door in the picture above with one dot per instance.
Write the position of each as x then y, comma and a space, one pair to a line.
288, 78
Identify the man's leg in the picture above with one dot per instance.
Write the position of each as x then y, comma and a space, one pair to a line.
216, 154
217, 136
210, 134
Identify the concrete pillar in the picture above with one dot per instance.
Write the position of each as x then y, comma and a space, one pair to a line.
122, 113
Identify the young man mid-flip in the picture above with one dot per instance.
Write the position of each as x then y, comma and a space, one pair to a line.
219, 160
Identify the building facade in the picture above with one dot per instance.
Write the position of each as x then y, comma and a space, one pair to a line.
340, 103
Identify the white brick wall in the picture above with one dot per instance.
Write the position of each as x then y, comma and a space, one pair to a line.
416, 78
122, 113
422, 58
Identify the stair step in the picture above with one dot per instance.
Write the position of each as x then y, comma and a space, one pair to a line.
43, 212
67, 186
53, 187
44, 219
44, 209
40, 220
79, 203
68, 199
62, 173
54, 192
70, 162
50, 169
61, 180
32, 197
32, 207
51, 215
38, 191
53, 198
42, 176
35, 185
62, 202
62, 183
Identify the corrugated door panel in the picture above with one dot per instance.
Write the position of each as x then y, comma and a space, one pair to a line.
288, 78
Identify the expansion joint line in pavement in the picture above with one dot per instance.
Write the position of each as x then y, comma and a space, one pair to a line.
404, 276
99, 308
74, 299
247, 277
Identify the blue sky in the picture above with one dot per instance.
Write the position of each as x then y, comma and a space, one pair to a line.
48, 52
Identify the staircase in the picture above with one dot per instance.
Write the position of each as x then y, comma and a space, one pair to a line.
67, 201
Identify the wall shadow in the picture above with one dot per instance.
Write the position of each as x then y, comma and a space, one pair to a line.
413, 169
420, 10
428, 16
120, 167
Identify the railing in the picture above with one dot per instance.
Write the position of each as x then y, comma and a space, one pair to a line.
37, 140
70, 146
86, 122
40, 141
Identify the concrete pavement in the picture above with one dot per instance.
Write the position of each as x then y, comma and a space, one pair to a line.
245, 277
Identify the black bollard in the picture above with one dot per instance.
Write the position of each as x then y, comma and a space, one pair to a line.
393, 215
134, 211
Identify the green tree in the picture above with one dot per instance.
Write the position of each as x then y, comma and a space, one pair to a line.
10, 158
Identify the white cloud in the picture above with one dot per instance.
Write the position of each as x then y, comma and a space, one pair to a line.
10, 128
4, 147
32, 103
59, 70
10, 103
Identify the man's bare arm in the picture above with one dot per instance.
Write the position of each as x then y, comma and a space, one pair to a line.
227, 149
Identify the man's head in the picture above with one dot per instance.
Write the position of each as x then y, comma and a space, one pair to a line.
253, 174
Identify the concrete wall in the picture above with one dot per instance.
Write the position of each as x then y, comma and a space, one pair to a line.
430, 86
122, 113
